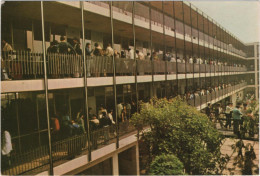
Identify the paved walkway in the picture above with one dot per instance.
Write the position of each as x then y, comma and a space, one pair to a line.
227, 149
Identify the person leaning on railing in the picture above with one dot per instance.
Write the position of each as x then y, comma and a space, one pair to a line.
6, 49
53, 48
98, 50
65, 47
94, 126
6, 148
105, 122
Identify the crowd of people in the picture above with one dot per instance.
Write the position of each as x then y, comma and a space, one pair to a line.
242, 116
64, 126
74, 47
191, 95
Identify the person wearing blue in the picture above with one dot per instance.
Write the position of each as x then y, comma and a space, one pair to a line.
237, 118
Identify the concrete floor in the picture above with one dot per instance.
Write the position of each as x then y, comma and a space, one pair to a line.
226, 149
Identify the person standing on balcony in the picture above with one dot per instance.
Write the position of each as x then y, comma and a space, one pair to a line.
105, 122
94, 125
89, 61
191, 60
128, 110
123, 54
65, 47
167, 56
55, 125
101, 110
131, 53
6, 146
76, 46
110, 115
80, 121
119, 111
237, 118
140, 55
6, 48
117, 54
109, 50
148, 56
53, 48
98, 50
173, 59
124, 113
154, 56
88, 49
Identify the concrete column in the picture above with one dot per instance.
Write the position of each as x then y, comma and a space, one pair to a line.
233, 99
153, 91
115, 164
256, 79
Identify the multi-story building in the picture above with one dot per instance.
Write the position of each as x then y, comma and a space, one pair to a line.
185, 52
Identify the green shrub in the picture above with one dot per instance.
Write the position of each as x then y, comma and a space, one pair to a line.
179, 129
166, 165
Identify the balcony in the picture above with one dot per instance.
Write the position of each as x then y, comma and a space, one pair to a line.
142, 14
36, 160
27, 66
66, 71
200, 102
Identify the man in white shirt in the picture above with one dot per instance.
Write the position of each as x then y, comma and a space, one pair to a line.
131, 54
6, 146
228, 113
191, 60
119, 110
109, 50
173, 59
198, 60
109, 114
202, 92
140, 55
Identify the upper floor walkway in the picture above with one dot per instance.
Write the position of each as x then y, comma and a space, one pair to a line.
67, 71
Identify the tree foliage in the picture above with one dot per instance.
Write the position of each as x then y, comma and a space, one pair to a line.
179, 129
166, 165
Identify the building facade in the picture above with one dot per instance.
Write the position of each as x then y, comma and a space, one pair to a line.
181, 51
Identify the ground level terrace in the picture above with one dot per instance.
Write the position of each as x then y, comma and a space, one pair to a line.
33, 158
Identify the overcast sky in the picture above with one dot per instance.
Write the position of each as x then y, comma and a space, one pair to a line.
241, 18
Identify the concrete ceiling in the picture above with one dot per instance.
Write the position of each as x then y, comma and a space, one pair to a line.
64, 15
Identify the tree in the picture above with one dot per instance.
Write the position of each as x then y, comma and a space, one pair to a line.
179, 129
166, 165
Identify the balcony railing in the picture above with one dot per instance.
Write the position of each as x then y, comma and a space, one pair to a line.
202, 100
25, 65
37, 160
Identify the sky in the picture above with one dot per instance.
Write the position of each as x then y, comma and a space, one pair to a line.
241, 18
